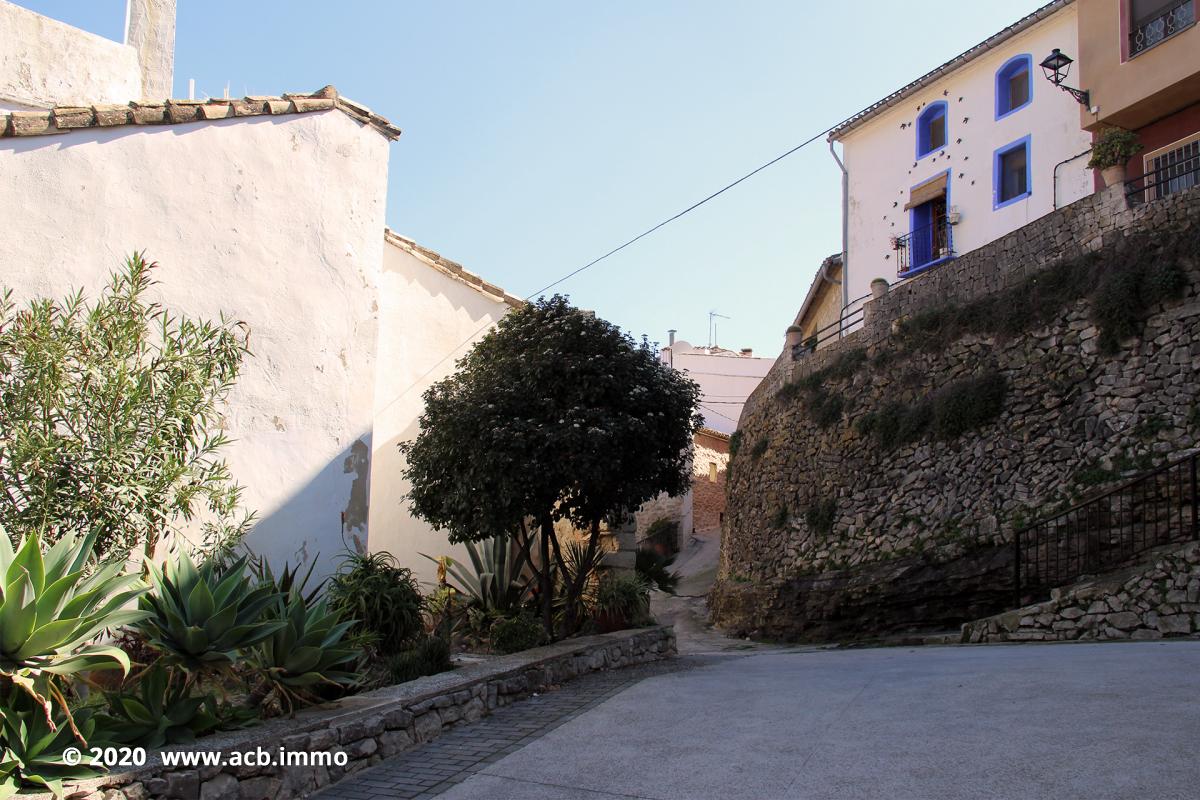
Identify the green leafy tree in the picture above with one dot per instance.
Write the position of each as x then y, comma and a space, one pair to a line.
555, 414
109, 417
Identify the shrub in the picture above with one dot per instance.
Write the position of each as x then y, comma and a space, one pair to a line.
759, 448
968, 404
662, 535
513, 634
1113, 147
735, 442
623, 600
655, 570
780, 517
825, 408
428, 657
152, 458
821, 515
382, 597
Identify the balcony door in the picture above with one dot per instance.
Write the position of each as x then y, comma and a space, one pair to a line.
928, 235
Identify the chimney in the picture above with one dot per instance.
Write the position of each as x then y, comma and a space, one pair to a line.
747, 352
671, 348
150, 30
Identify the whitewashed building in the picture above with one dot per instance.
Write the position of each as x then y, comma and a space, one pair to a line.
270, 210
974, 149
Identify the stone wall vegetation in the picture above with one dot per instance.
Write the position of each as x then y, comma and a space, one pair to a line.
1011, 382
375, 725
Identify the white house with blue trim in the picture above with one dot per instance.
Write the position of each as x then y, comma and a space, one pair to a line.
978, 147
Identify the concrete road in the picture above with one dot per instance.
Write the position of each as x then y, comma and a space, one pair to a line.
1020, 721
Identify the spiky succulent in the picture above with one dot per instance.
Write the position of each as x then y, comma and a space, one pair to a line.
52, 608
200, 618
32, 745
309, 650
162, 711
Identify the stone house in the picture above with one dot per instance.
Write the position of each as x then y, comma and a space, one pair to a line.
268, 209
957, 158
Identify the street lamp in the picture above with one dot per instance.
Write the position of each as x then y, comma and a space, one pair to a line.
1057, 66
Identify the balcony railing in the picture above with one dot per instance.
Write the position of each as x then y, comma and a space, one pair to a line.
1149, 31
1183, 173
924, 246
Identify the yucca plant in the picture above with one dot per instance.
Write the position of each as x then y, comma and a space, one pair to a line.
162, 711
51, 609
307, 652
201, 617
32, 745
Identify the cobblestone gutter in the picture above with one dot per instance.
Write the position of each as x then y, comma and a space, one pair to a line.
372, 726
1159, 598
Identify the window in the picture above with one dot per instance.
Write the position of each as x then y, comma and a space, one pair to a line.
1013, 87
1172, 169
1011, 176
931, 128
712, 472
1152, 21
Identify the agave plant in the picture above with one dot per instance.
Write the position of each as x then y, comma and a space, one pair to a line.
161, 712
498, 580
51, 610
33, 743
306, 652
201, 617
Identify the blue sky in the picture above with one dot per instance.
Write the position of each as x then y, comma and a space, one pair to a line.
539, 135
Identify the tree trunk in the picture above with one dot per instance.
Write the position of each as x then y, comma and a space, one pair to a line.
547, 585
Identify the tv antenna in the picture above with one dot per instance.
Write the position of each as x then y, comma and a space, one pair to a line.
713, 316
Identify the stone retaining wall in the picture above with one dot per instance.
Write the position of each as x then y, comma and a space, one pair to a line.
819, 503
1157, 599
372, 726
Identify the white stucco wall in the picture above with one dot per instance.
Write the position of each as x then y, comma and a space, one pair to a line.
427, 320
880, 155
276, 221
44, 62
725, 379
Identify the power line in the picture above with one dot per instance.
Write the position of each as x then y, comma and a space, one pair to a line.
613, 252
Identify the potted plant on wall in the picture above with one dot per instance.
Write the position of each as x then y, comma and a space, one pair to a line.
1111, 150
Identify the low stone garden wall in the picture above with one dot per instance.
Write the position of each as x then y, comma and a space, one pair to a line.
372, 726
1159, 598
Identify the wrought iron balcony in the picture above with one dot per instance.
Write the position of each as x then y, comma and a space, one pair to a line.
1167, 22
924, 246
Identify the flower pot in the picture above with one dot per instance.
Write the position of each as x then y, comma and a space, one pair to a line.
1113, 175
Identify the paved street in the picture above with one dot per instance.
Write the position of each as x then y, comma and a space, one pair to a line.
1023, 722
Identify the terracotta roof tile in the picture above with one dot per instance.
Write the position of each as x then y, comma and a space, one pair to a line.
173, 112
451, 268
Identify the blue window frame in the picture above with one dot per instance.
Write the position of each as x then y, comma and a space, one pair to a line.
1012, 180
1014, 85
931, 128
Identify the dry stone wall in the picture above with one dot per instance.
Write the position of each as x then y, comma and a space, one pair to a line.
1159, 599
912, 448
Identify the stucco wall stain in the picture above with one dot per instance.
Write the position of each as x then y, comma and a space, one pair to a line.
358, 463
